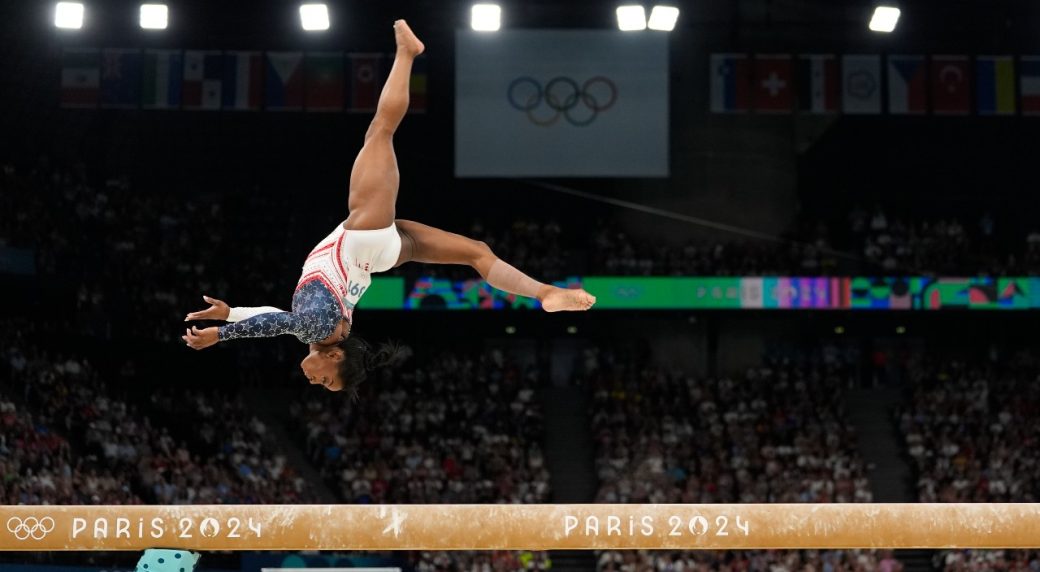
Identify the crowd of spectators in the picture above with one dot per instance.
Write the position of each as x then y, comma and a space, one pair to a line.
749, 561
946, 246
874, 242
971, 430
615, 252
775, 434
895, 245
37, 465
77, 439
46, 398
453, 428
130, 260
245, 456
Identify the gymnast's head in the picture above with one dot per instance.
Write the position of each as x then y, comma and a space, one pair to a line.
345, 365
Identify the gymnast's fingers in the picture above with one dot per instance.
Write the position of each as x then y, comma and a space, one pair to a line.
214, 301
200, 315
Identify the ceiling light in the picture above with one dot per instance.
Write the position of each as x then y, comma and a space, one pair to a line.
631, 18
885, 19
663, 18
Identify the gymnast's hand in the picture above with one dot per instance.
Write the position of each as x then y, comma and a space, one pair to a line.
200, 339
217, 310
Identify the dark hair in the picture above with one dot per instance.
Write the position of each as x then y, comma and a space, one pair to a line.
359, 358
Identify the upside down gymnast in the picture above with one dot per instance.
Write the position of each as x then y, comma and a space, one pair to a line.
338, 271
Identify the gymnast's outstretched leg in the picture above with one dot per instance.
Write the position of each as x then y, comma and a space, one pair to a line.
375, 178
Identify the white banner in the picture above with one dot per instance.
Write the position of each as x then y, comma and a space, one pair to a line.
561, 103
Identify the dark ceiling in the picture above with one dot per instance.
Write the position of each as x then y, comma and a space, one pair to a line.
928, 25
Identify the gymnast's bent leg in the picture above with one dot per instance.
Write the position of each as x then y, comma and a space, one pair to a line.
424, 243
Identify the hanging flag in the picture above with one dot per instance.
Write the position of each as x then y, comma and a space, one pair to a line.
80, 77
163, 73
324, 81
907, 85
995, 85
730, 83
120, 78
951, 85
366, 81
203, 79
417, 86
243, 74
284, 81
1029, 84
861, 79
772, 89
819, 85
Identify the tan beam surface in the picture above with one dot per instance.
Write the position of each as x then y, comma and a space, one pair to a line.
541, 527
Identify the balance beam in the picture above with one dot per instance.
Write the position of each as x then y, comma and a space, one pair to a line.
534, 527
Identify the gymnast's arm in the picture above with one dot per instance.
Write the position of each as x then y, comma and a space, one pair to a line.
261, 325
263, 321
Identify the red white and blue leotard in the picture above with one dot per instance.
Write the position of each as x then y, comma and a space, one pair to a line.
329, 288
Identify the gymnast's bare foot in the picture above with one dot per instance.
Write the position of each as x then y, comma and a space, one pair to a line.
566, 299
407, 40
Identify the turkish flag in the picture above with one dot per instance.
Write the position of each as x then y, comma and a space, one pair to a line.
951, 85
772, 89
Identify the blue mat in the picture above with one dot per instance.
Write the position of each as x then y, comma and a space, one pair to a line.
166, 560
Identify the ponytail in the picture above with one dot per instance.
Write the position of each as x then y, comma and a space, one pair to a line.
359, 358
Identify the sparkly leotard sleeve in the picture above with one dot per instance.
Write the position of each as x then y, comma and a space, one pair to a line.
314, 316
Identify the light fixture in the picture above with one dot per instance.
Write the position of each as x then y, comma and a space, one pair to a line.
663, 18
900, 330
154, 16
486, 17
631, 18
314, 17
572, 329
510, 330
68, 15
839, 330
884, 19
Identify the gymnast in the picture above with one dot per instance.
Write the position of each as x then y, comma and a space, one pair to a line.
338, 271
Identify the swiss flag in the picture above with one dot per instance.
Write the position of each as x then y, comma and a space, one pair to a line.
772, 90
951, 85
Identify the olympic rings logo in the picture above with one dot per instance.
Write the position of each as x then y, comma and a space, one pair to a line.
31, 527
562, 97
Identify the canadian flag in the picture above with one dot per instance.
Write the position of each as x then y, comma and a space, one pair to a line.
772, 90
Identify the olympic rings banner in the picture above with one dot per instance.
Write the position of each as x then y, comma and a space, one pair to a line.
726, 293
561, 103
